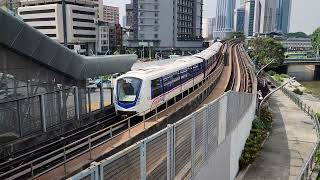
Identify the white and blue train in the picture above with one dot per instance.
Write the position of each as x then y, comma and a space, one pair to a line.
142, 90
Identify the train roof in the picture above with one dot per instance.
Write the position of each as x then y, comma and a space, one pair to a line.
160, 70
153, 70
207, 53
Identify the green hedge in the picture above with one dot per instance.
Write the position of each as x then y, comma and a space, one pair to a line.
259, 132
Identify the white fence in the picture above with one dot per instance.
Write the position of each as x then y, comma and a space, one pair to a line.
204, 145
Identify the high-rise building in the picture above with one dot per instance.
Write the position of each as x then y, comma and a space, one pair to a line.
103, 45
284, 15
249, 17
129, 15
208, 27
224, 18
265, 16
48, 18
239, 15
166, 24
111, 14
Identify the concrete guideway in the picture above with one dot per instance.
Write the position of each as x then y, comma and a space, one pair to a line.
289, 145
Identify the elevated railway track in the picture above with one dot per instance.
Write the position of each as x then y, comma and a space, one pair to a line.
77, 149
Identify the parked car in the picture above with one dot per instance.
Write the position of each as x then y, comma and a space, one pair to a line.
92, 85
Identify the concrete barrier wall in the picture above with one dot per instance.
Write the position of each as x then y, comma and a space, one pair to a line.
223, 164
207, 144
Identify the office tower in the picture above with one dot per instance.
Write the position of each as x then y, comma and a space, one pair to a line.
249, 17
80, 20
208, 27
239, 16
265, 16
224, 18
284, 15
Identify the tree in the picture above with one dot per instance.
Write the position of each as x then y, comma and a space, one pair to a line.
263, 50
297, 35
237, 34
315, 39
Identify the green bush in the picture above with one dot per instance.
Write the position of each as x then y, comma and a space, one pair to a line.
284, 76
298, 91
318, 115
278, 78
271, 73
258, 134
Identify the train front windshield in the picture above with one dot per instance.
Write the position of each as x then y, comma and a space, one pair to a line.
128, 89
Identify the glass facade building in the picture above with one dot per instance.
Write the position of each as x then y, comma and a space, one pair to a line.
224, 18
284, 15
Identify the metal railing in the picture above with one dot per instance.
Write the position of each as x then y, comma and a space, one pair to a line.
183, 148
309, 165
26, 116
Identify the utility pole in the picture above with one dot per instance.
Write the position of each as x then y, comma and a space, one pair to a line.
65, 36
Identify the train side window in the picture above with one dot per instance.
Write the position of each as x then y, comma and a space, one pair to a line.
176, 79
155, 88
167, 82
190, 73
184, 75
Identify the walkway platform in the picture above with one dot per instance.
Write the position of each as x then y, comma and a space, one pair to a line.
289, 145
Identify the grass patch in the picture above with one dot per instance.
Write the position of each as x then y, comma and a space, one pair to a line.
313, 87
298, 91
258, 133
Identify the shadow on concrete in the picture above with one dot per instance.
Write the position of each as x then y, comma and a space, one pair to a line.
274, 160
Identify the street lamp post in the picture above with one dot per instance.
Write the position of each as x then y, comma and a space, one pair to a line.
264, 67
267, 96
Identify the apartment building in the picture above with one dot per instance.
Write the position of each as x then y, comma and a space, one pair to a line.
165, 24
110, 14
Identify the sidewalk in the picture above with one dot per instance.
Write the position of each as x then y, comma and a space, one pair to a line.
289, 145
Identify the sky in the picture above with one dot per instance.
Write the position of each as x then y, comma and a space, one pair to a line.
305, 14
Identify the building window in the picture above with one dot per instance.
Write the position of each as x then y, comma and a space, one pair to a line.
156, 21
39, 19
141, 36
156, 14
156, 36
44, 27
37, 11
141, 6
51, 35
141, 21
84, 36
83, 20
84, 28
83, 12
156, 7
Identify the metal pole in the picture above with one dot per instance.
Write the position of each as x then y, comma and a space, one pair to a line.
129, 127
264, 67
89, 139
267, 96
43, 113
65, 36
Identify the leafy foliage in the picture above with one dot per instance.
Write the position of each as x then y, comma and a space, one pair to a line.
258, 134
297, 35
315, 38
266, 49
298, 91
237, 34
318, 115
